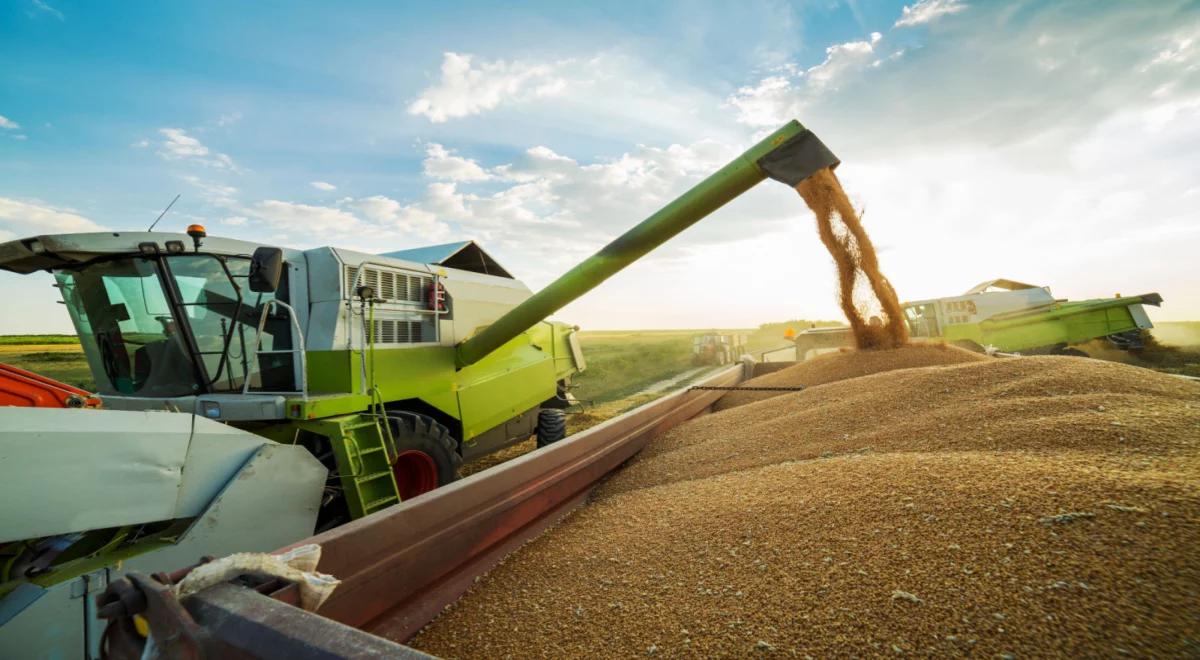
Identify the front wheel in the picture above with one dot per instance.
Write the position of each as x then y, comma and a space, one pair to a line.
551, 426
426, 454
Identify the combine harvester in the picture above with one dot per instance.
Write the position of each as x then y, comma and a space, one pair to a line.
1011, 317
253, 395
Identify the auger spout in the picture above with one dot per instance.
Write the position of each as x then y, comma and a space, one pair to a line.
790, 155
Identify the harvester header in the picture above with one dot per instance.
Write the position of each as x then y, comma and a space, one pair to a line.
789, 155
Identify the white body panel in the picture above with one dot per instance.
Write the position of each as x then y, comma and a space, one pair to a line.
131, 462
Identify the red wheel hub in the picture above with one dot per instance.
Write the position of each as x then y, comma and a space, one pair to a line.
415, 473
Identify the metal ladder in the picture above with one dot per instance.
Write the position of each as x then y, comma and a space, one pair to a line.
365, 447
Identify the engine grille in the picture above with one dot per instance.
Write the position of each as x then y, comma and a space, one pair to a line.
389, 285
394, 331
394, 287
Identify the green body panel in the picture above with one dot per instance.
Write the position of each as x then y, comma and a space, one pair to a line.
518, 376
1061, 323
514, 383
332, 372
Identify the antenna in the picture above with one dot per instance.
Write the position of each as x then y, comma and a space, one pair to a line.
160, 215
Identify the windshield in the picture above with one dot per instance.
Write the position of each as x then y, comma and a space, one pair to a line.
177, 325
922, 320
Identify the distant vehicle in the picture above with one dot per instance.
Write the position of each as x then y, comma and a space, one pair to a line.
717, 349
1009, 316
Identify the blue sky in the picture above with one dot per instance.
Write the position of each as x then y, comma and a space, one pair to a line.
1047, 142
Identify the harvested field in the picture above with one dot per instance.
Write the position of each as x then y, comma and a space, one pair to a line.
848, 364
1029, 506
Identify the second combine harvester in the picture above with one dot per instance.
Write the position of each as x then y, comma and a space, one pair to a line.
254, 394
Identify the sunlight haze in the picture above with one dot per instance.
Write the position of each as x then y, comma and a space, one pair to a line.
1056, 143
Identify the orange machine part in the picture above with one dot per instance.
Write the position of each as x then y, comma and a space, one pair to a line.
19, 387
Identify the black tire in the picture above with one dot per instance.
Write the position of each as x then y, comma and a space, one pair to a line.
1075, 352
551, 426
414, 431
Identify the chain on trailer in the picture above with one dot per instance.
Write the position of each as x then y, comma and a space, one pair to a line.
747, 388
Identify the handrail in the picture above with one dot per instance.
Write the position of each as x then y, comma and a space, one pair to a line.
302, 349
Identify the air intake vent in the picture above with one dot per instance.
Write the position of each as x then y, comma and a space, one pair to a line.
393, 331
389, 285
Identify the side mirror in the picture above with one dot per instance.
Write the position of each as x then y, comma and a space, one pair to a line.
266, 267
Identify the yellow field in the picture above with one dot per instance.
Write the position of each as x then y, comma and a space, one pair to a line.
6, 349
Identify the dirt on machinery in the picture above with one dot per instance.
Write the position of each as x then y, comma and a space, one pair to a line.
1024, 506
865, 295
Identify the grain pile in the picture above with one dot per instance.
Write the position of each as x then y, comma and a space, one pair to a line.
846, 364
866, 297
1031, 506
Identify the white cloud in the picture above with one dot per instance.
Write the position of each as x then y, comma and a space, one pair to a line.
213, 192
378, 208
42, 6
7, 123
322, 185
304, 218
925, 11
778, 98
410, 219
468, 88
444, 201
368, 223
178, 145
842, 59
552, 210
441, 163
20, 136
22, 218
235, 220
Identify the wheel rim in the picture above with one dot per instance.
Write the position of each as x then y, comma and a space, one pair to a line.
415, 473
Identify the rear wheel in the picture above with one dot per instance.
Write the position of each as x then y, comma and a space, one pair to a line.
551, 426
426, 454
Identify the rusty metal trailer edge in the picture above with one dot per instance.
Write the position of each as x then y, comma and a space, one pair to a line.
402, 566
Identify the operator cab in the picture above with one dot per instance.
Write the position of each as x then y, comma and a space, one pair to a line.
176, 324
159, 320
922, 319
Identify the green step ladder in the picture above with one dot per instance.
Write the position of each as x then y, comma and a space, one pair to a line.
364, 453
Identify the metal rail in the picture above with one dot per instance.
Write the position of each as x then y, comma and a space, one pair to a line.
301, 349
401, 566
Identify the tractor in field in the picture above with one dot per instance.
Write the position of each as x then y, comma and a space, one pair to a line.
253, 394
717, 349
1009, 316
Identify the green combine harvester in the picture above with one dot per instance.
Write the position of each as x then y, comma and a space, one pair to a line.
254, 394
1010, 317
